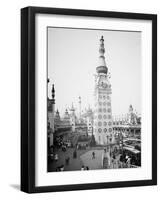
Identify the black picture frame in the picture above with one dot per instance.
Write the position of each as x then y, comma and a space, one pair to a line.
28, 98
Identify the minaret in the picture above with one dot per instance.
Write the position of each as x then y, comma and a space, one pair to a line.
66, 118
51, 107
51, 111
89, 121
131, 116
72, 118
80, 109
103, 130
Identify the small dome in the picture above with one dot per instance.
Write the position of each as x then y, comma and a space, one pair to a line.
102, 69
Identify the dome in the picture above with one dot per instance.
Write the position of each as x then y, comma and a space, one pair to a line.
66, 115
102, 69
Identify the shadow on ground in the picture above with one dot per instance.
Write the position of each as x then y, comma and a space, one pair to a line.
15, 186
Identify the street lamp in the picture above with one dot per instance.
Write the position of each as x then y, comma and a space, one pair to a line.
109, 146
121, 141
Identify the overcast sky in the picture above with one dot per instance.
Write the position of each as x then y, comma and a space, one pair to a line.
72, 61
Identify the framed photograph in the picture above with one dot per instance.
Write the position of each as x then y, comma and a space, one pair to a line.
88, 99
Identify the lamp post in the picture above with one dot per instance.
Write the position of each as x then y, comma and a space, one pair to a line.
121, 141
109, 146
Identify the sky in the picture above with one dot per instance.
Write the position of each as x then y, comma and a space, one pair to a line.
72, 60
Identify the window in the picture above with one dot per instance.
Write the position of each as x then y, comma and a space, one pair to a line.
109, 110
100, 103
99, 130
109, 116
105, 123
100, 110
104, 116
104, 103
110, 130
99, 123
109, 123
99, 116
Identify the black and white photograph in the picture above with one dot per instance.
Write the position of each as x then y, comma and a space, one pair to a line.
89, 99
94, 99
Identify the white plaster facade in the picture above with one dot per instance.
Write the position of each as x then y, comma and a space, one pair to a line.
103, 130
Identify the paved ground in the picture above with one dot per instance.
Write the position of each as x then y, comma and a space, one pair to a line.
84, 157
92, 163
74, 163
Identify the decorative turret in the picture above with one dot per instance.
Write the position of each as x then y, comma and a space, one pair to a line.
66, 118
89, 111
53, 93
130, 109
72, 109
66, 115
132, 116
80, 112
57, 116
102, 63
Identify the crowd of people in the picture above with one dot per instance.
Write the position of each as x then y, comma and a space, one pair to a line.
112, 157
84, 168
66, 161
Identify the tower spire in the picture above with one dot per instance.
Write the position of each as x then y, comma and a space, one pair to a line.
53, 93
102, 48
79, 107
102, 68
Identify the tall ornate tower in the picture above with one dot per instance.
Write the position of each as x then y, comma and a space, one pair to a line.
51, 111
72, 118
103, 130
51, 108
132, 116
80, 109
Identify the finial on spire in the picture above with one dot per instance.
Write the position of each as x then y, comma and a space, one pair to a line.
102, 49
79, 99
72, 107
102, 38
57, 111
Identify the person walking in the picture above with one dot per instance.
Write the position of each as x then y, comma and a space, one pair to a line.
128, 162
93, 155
75, 154
105, 159
56, 157
67, 160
